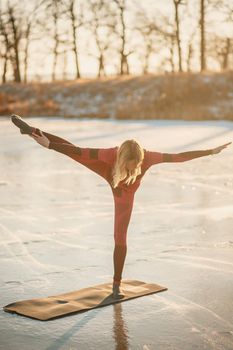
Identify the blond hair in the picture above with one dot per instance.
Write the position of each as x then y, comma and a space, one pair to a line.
128, 151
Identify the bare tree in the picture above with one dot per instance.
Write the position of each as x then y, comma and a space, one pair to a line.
153, 36
101, 24
5, 46
149, 47
172, 50
26, 51
15, 27
202, 34
15, 30
226, 52
55, 16
30, 22
177, 3
55, 12
76, 22
221, 51
124, 66
168, 30
191, 49
146, 28
212, 45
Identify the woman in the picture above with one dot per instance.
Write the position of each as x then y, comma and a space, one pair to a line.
123, 168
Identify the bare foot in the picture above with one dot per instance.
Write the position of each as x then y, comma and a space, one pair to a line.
116, 292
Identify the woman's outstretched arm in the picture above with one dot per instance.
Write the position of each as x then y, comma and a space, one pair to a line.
157, 157
185, 156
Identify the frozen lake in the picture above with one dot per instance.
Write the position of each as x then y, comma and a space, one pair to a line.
56, 236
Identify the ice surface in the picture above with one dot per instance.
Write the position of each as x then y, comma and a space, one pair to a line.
56, 235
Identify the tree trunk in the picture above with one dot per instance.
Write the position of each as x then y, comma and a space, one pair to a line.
74, 40
202, 29
171, 49
15, 46
149, 50
226, 54
56, 42
124, 67
4, 69
189, 58
146, 62
64, 73
55, 54
101, 71
177, 21
7, 50
26, 51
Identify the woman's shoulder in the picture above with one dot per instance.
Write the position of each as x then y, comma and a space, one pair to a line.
152, 157
108, 155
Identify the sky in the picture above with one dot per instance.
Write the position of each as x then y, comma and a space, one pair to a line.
41, 59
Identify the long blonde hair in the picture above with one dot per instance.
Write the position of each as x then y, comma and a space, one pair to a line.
129, 150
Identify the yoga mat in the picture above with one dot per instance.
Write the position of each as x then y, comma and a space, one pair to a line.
81, 300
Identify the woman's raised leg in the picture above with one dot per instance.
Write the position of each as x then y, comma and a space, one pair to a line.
52, 138
86, 156
27, 129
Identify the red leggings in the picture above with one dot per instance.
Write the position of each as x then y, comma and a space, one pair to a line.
123, 201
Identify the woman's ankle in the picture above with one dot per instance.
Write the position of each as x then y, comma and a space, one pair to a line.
36, 131
116, 291
116, 282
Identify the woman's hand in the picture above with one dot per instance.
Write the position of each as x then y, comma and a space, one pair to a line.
220, 148
42, 140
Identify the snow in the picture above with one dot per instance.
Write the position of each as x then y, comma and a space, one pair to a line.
56, 235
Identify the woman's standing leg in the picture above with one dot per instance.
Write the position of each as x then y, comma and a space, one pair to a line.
119, 256
123, 210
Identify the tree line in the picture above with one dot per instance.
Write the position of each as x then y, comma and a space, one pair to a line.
114, 33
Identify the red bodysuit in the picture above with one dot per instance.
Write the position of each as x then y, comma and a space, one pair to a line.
101, 161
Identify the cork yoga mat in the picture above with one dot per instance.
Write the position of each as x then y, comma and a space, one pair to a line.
81, 300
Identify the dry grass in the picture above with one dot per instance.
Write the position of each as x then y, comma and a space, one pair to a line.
177, 96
